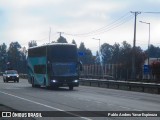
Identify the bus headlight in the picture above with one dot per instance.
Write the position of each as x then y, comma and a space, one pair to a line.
53, 81
75, 81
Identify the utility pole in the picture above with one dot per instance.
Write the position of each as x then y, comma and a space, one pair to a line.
99, 44
133, 74
148, 38
60, 33
49, 34
100, 57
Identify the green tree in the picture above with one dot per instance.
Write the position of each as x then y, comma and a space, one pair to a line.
154, 52
106, 51
74, 42
125, 59
121, 57
125, 53
87, 57
3, 56
139, 61
32, 43
155, 66
61, 39
14, 55
115, 53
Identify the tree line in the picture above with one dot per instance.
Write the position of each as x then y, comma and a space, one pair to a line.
15, 56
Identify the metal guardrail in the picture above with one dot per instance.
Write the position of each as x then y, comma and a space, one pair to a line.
24, 76
123, 85
115, 84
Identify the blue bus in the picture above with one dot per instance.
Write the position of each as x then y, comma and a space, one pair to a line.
54, 65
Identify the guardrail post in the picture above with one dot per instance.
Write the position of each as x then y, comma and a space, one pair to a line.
142, 89
129, 86
107, 85
117, 86
158, 90
98, 84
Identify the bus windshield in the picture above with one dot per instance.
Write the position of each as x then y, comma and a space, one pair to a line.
62, 53
64, 69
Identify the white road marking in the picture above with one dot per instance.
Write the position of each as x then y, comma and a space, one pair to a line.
11, 88
45, 105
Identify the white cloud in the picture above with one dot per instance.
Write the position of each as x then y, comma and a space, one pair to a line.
31, 19
19, 4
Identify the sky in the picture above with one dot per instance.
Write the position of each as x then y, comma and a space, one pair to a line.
110, 21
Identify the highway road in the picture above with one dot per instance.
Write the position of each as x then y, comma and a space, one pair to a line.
22, 97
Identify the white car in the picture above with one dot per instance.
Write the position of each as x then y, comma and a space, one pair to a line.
11, 75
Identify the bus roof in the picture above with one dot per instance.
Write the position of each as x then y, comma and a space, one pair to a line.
52, 44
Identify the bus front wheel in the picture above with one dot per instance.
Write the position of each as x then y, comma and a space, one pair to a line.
33, 82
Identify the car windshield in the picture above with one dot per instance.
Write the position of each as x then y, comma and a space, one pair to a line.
12, 72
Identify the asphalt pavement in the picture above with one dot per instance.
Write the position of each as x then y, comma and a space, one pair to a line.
22, 97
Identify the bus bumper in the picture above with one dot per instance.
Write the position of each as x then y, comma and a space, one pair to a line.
74, 83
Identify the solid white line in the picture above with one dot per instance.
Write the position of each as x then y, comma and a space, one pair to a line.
45, 105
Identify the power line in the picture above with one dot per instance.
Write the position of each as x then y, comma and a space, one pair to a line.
151, 12
114, 27
100, 30
118, 22
109, 25
115, 24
